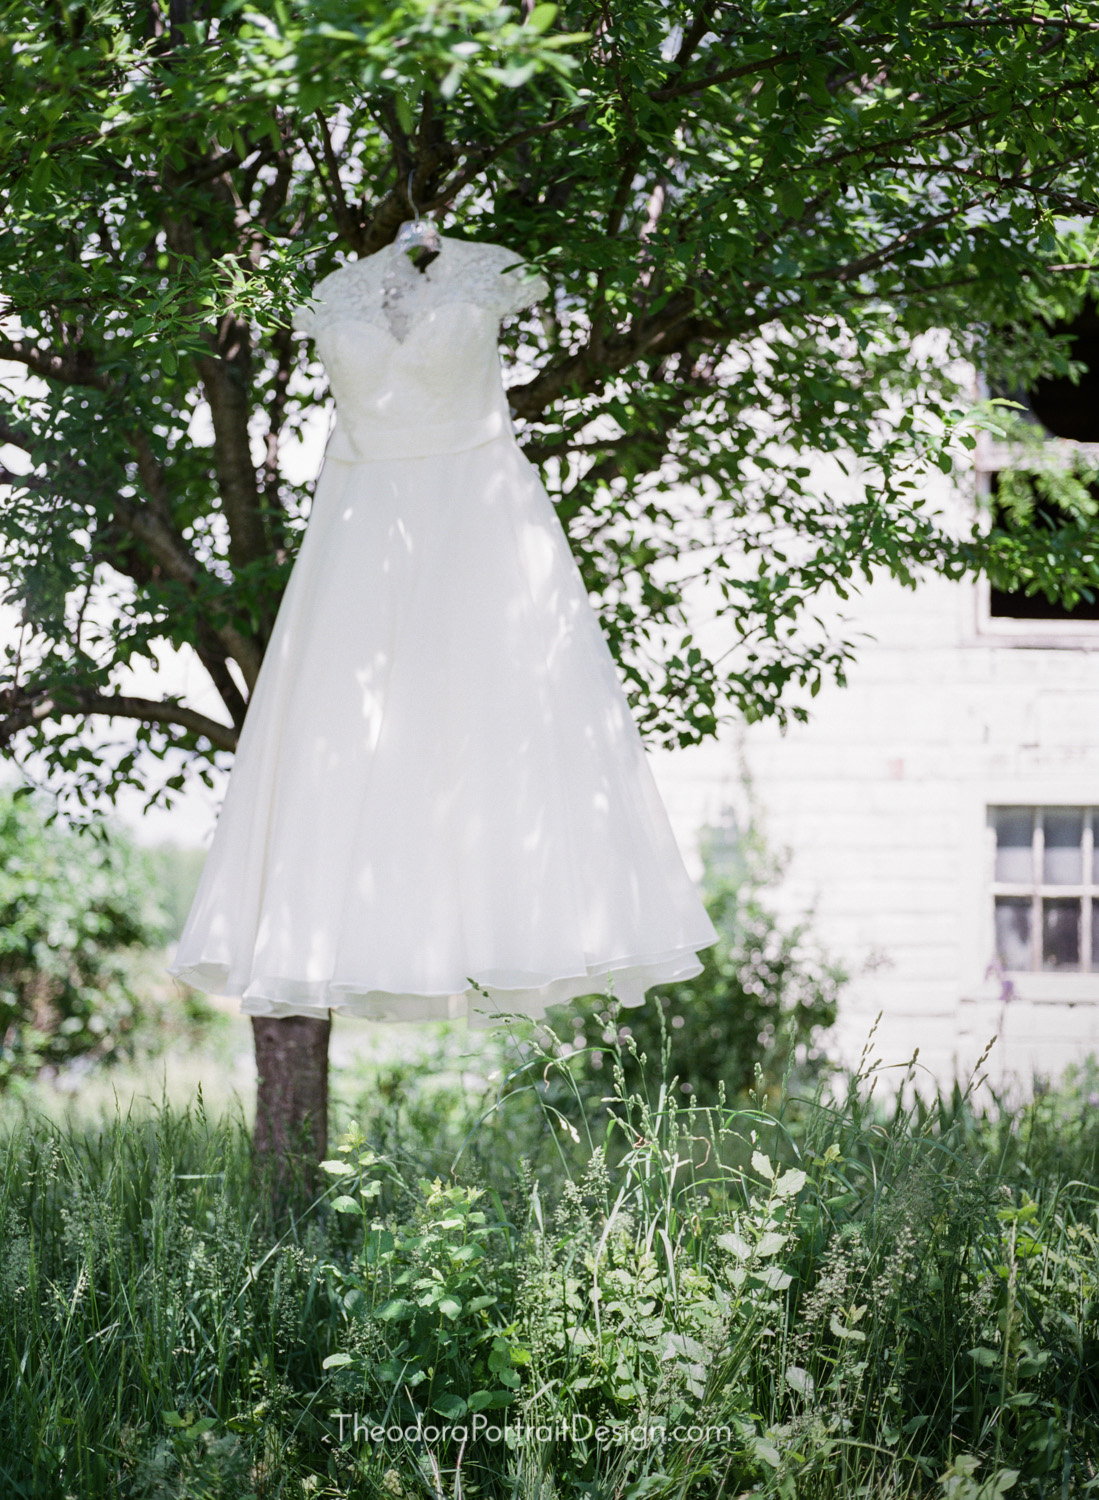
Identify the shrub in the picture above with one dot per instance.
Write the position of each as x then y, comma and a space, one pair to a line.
765, 994
74, 909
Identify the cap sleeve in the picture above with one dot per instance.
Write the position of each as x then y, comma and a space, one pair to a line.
513, 284
302, 319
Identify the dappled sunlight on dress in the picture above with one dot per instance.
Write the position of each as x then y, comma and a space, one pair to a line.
439, 787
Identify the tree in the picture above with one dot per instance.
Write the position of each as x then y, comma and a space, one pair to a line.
748, 214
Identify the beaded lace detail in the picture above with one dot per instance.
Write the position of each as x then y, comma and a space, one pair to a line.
387, 291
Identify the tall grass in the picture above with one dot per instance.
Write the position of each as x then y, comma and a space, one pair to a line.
827, 1297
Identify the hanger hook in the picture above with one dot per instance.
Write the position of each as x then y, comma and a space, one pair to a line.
418, 234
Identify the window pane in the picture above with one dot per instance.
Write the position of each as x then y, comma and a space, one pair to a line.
1061, 933
1014, 832
1094, 934
1013, 945
1064, 833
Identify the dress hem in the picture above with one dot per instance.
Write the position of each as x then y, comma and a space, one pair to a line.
481, 1003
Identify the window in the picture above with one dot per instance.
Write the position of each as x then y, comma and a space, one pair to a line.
1061, 408
1017, 604
1067, 408
1046, 888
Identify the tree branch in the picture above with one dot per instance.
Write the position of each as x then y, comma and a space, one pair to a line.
178, 563
678, 326
693, 34
211, 651
875, 258
776, 59
484, 157
282, 346
346, 221
1020, 180
935, 127
151, 524
212, 655
673, 329
75, 368
226, 374
23, 710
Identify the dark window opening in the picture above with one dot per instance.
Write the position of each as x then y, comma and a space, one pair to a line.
1015, 604
1066, 410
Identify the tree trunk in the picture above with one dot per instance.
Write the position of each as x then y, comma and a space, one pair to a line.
291, 1133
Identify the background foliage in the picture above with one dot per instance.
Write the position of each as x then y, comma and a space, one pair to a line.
764, 999
77, 915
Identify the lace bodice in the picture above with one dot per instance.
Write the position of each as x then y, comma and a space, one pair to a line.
387, 290
412, 355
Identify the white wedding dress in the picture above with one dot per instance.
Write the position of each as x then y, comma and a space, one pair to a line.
440, 804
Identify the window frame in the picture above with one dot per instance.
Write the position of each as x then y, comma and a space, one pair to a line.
1004, 630
977, 870
1038, 890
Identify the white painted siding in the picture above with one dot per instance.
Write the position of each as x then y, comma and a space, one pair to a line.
880, 802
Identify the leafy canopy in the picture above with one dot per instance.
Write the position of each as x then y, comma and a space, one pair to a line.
749, 214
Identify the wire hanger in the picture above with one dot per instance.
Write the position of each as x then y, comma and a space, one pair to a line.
417, 237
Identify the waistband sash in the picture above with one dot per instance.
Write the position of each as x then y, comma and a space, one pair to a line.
362, 446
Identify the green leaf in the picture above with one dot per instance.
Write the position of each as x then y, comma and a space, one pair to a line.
763, 1448
449, 1406
541, 18
770, 1243
775, 1278
843, 1332
988, 1358
346, 1205
683, 1345
336, 1361
405, 116
790, 1183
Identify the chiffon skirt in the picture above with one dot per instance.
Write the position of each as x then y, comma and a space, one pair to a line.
440, 804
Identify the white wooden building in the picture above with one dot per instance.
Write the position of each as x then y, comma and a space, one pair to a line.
941, 817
